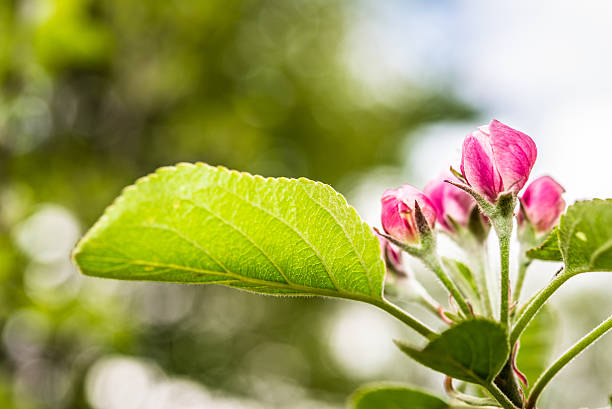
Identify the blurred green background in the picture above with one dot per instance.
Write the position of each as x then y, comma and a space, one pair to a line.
94, 94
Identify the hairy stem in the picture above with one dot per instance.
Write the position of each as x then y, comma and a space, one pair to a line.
504, 250
507, 383
406, 318
428, 302
410, 289
499, 396
432, 262
535, 304
570, 354
502, 218
426, 252
406, 289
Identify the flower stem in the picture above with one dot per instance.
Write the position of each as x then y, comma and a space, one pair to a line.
428, 302
406, 318
426, 252
499, 396
504, 250
535, 304
432, 262
409, 289
570, 354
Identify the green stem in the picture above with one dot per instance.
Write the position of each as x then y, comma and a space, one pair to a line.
570, 354
409, 290
504, 251
406, 318
535, 304
430, 304
499, 396
432, 262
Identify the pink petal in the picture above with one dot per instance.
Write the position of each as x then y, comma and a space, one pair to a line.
393, 222
514, 154
410, 194
390, 252
478, 167
544, 203
450, 201
397, 215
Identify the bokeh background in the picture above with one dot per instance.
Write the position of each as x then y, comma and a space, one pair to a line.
363, 95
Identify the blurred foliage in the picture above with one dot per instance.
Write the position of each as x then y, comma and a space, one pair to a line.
537, 344
94, 94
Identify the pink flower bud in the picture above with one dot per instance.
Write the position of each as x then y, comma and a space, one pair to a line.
391, 254
398, 217
543, 204
450, 202
496, 159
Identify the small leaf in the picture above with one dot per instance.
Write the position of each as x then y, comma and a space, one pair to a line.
458, 175
537, 344
474, 351
394, 396
585, 236
549, 250
203, 224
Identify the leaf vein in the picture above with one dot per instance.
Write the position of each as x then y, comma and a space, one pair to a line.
359, 257
304, 239
243, 234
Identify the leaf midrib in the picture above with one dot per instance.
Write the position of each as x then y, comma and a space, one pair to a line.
194, 243
271, 284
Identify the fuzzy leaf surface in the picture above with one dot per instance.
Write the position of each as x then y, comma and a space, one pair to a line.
549, 250
209, 225
585, 236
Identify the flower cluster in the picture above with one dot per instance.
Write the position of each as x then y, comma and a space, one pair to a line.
496, 163
496, 160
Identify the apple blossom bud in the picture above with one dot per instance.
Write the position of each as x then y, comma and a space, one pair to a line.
398, 212
542, 204
453, 205
496, 159
390, 253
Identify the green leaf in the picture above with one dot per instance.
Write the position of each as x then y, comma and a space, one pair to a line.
203, 224
549, 250
394, 396
474, 351
537, 344
585, 236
